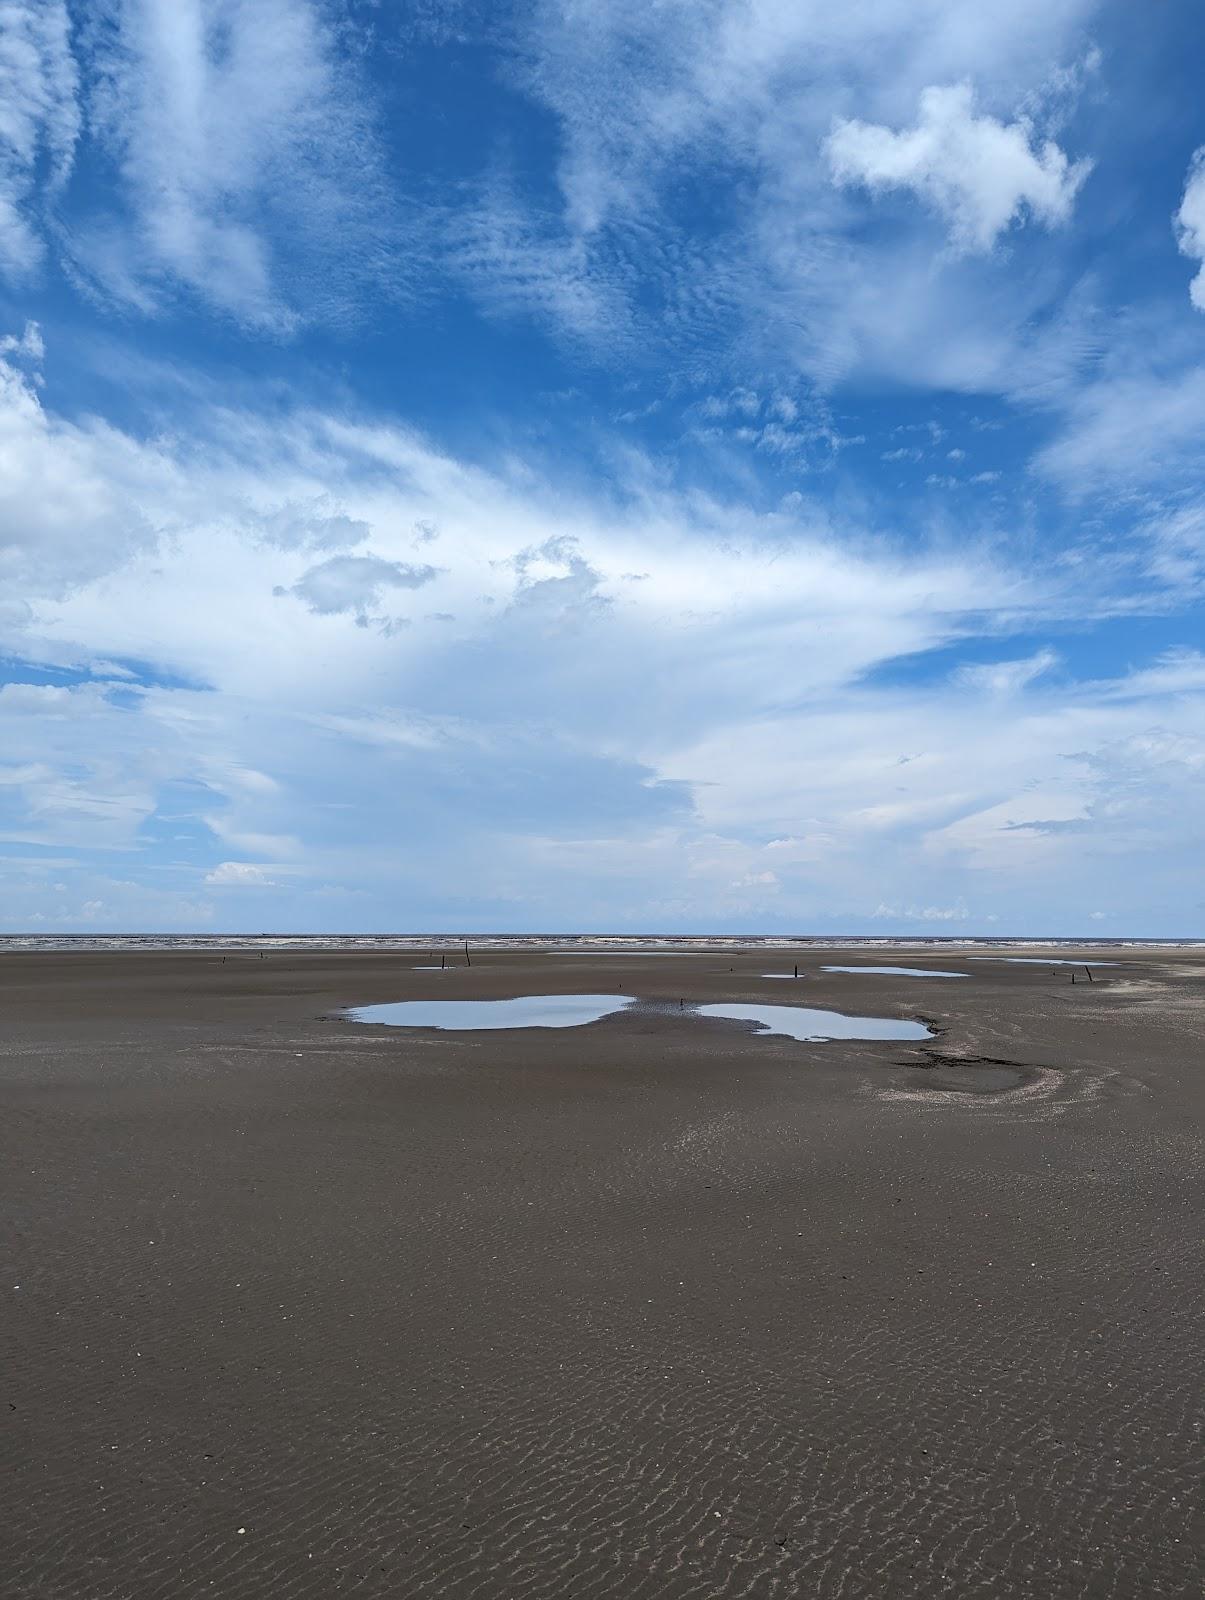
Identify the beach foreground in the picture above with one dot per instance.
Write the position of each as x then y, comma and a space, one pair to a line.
651, 1307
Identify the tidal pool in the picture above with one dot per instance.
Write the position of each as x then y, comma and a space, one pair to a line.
1047, 961
806, 1024
574, 1010
525, 1011
904, 972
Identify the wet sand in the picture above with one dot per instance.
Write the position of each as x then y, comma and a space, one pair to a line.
653, 1307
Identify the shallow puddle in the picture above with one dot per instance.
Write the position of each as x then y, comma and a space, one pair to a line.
1046, 961
526, 1011
801, 1022
574, 1010
904, 972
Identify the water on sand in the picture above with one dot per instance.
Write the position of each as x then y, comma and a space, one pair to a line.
525, 1011
574, 1010
904, 972
1048, 961
806, 1024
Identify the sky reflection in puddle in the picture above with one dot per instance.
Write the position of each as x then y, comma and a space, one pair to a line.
525, 1011
574, 1010
905, 972
1049, 961
804, 1023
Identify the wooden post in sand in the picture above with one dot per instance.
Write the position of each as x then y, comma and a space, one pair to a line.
467, 962
1088, 970
443, 959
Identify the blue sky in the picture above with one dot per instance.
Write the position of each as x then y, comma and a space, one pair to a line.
708, 466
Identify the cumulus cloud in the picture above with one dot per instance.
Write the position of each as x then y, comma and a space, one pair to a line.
1190, 224
979, 173
317, 525
354, 583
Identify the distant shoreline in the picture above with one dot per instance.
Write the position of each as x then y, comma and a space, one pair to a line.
625, 943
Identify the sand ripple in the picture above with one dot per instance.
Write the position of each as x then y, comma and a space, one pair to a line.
304, 1316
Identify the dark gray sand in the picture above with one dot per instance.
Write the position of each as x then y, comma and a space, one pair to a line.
653, 1307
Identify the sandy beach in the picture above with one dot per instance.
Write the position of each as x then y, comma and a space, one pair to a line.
654, 1307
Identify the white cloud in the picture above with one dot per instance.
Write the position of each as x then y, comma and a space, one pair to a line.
250, 176
66, 510
1190, 224
639, 87
652, 100
1176, 545
572, 736
1006, 677
43, 699
318, 525
39, 123
77, 773
1174, 672
240, 875
354, 583
26, 347
958, 913
247, 162
1017, 799
1129, 429
518, 262
980, 174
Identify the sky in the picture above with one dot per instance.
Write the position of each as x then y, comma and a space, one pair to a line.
705, 465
